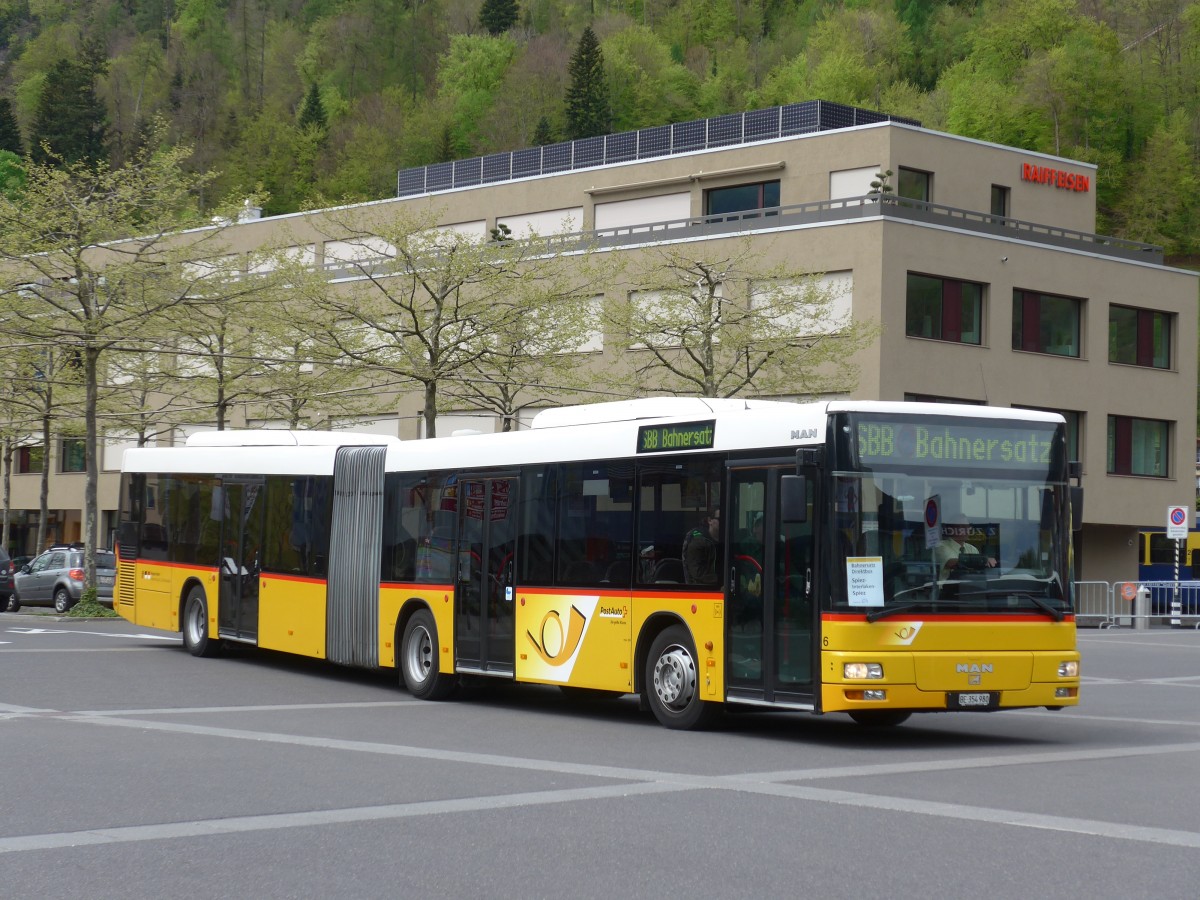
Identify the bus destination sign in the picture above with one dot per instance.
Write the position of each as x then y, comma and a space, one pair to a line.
965, 445
670, 438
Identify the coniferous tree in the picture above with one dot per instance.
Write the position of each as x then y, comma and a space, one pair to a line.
497, 16
10, 131
69, 119
542, 135
312, 114
587, 96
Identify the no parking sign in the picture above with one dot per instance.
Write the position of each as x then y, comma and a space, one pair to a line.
1177, 522
933, 522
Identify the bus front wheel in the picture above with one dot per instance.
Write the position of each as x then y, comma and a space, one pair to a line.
673, 679
196, 638
419, 660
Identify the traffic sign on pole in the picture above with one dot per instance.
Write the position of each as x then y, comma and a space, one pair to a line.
1177, 522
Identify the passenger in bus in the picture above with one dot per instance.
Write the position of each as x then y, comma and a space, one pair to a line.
701, 547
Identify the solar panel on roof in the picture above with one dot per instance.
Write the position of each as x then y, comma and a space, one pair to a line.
556, 158
588, 152
620, 147
468, 172
410, 181
654, 141
687, 136
497, 167
762, 124
800, 118
725, 130
439, 177
835, 115
647, 143
527, 162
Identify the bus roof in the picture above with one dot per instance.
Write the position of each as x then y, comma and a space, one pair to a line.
599, 431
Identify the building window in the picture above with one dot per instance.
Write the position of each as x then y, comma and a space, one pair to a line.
1139, 337
1074, 427
1000, 200
914, 185
1137, 446
742, 197
71, 456
944, 309
1044, 323
29, 460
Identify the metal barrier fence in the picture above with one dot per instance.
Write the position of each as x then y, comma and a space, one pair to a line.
1137, 604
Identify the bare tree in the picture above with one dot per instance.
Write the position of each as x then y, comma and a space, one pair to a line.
717, 321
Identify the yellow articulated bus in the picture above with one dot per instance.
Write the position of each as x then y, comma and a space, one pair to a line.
876, 559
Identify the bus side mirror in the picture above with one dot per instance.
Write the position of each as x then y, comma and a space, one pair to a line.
793, 499
1076, 508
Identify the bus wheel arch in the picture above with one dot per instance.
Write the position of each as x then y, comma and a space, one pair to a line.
672, 677
418, 657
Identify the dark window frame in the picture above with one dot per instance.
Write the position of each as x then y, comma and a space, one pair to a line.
72, 456
767, 198
950, 311
1121, 439
1147, 349
908, 178
1031, 324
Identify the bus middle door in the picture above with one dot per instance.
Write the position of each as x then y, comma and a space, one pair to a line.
484, 632
239, 503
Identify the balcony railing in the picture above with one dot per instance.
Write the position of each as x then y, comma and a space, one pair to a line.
827, 212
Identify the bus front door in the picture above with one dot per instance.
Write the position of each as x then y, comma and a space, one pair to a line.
484, 633
239, 504
769, 586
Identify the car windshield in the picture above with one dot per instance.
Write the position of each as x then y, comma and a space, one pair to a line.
912, 542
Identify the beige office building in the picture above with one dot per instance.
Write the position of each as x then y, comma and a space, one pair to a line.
985, 276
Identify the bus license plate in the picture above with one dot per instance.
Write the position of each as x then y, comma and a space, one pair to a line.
974, 700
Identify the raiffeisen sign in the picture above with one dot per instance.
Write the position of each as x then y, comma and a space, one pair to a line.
1065, 181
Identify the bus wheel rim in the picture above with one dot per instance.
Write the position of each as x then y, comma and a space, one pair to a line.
419, 658
675, 677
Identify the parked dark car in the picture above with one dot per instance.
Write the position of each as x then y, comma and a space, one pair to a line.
56, 578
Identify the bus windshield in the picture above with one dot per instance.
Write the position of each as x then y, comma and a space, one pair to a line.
953, 531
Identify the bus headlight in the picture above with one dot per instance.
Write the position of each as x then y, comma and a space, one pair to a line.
1068, 669
861, 671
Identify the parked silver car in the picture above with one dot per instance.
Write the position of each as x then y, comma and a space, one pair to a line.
56, 577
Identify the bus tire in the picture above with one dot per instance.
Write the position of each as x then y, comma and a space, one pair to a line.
880, 718
196, 638
419, 660
672, 682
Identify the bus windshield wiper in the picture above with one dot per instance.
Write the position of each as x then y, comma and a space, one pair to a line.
1052, 611
885, 612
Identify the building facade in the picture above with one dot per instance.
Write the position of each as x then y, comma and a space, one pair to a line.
980, 265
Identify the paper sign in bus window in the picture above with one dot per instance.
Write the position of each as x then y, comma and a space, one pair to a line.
864, 580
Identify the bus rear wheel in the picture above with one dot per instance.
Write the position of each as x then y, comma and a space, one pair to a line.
880, 718
419, 660
672, 682
196, 638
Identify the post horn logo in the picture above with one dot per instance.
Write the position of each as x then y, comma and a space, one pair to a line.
557, 644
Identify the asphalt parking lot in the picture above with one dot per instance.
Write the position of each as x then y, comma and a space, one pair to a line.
136, 770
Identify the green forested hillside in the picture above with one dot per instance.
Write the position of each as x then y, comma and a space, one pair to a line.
320, 101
